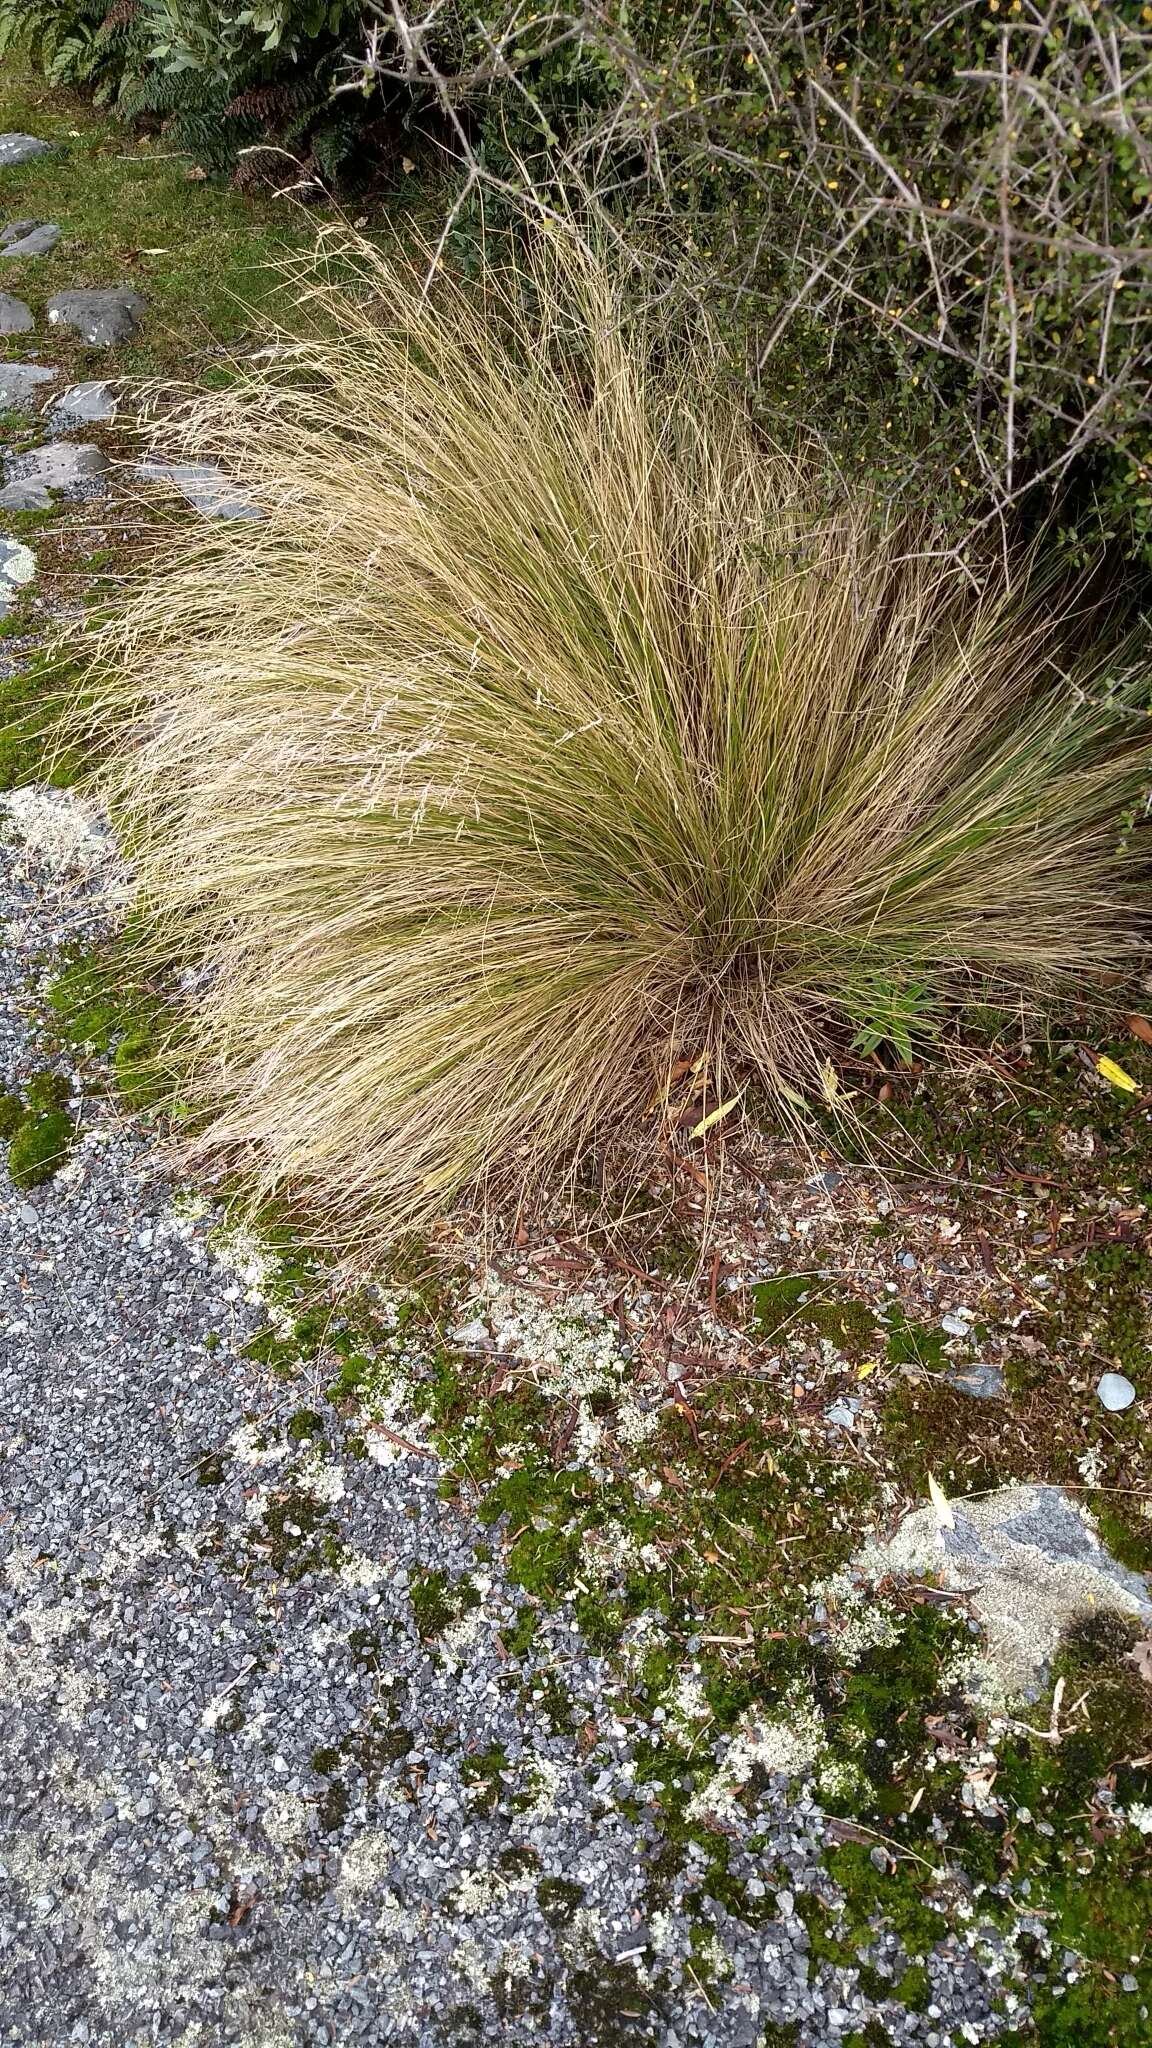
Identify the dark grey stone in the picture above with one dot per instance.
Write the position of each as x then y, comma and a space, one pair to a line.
15, 317
20, 149
19, 382
28, 238
101, 318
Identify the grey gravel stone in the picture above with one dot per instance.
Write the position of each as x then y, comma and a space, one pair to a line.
19, 382
101, 318
15, 317
19, 149
1115, 1391
29, 238
981, 1379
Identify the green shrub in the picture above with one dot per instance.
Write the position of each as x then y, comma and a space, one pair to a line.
553, 747
930, 224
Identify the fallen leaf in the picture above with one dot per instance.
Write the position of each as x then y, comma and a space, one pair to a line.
864, 1370
829, 1083
939, 1500
1119, 1079
195, 175
1141, 1028
716, 1116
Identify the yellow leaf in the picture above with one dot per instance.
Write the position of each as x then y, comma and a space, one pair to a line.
829, 1082
792, 1095
939, 1499
866, 1369
714, 1116
1117, 1076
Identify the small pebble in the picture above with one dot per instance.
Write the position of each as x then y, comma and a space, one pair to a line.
1115, 1391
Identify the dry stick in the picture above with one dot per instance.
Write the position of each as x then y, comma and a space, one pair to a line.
1009, 280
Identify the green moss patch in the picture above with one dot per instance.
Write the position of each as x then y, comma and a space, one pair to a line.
39, 1147
38, 1129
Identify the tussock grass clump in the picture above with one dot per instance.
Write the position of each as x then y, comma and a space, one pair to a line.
550, 734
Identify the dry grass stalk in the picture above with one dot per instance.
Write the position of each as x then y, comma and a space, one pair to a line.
549, 732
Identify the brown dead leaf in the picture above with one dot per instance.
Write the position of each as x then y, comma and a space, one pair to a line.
1141, 1028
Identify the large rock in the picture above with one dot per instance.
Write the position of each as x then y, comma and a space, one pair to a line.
207, 488
87, 404
60, 463
25, 495
17, 567
100, 317
1029, 1561
19, 149
15, 317
29, 238
19, 382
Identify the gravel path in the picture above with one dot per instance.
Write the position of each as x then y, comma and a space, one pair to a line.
242, 1798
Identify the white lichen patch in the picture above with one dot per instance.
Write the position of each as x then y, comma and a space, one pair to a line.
364, 1869
788, 1745
688, 1705
857, 1619
572, 1356
362, 1573
66, 838
254, 1268
460, 1637
544, 1783
321, 1479
396, 1421
251, 1444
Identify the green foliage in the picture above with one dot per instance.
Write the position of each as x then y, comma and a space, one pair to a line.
218, 79
938, 216
893, 1014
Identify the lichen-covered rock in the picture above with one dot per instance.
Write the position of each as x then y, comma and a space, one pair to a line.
1030, 1562
17, 567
